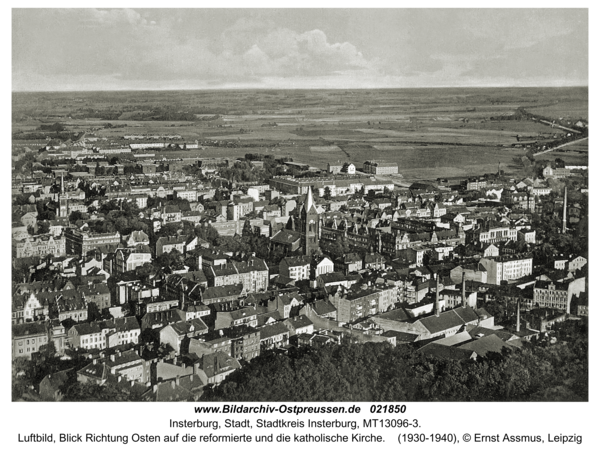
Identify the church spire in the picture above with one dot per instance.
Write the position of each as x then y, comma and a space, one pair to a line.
309, 199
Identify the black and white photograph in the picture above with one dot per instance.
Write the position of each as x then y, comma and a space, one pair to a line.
299, 213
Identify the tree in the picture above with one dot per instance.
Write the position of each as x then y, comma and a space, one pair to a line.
207, 232
43, 228
247, 229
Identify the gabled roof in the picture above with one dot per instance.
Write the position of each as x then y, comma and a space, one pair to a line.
271, 330
294, 261
478, 332
483, 345
323, 307
216, 292
168, 391
241, 313
218, 363
29, 328
447, 352
298, 322
335, 277
98, 371
286, 237
449, 319
401, 337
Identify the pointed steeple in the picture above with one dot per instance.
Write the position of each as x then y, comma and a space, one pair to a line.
309, 204
309, 199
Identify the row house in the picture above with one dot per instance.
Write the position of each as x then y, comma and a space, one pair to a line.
406, 289
105, 334
491, 235
170, 214
215, 367
68, 305
355, 304
452, 298
178, 334
222, 294
245, 342
166, 244
246, 315
348, 263
42, 245
187, 194
81, 242
275, 335
374, 261
201, 346
156, 320
337, 279
295, 267
129, 365
130, 259
191, 216
253, 274
27, 338
299, 325
222, 275
523, 200
28, 307
571, 264
186, 287
284, 304
472, 272
507, 268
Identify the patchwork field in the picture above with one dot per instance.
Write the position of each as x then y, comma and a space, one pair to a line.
429, 132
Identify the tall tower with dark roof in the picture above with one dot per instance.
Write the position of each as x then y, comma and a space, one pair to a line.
309, 224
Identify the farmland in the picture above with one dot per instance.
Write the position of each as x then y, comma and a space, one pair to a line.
429, 133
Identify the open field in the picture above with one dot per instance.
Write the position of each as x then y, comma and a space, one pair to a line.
429, 132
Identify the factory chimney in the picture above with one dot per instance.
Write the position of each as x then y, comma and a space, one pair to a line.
564, 227
437, 295
464, 298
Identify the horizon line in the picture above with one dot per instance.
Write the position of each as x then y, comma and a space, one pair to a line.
301, 89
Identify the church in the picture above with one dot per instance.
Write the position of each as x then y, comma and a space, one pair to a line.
305, 220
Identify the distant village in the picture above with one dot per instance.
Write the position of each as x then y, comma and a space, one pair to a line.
162, 276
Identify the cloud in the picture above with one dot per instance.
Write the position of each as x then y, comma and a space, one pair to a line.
395, 47
126, 42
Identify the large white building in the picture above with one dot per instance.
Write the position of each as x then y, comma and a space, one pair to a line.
507, 268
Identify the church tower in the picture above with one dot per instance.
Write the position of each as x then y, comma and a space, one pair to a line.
309, 224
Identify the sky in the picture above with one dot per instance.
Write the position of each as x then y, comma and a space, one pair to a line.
163, 49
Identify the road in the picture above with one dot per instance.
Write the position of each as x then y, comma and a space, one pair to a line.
559, 146
559, 126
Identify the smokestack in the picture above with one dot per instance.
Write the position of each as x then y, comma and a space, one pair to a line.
437, 295
464, 298
518, 316
564, 227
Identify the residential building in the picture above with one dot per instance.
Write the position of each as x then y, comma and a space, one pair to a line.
380, 168
41, 245
27, 338
507, 268
80, 242
295, 267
